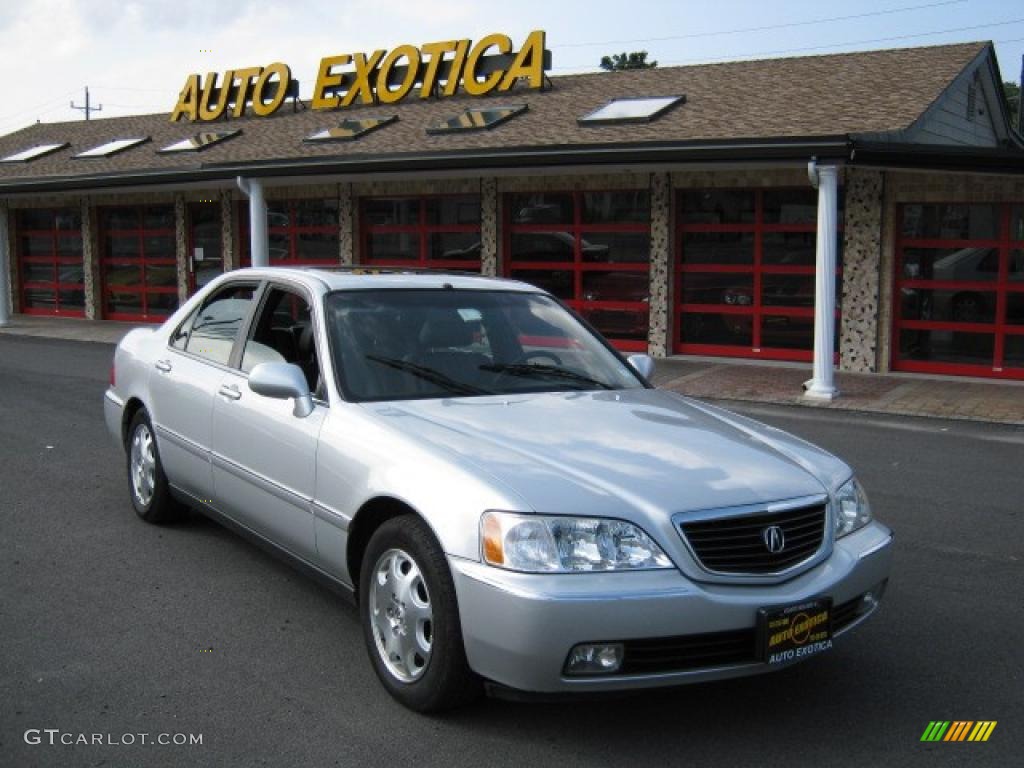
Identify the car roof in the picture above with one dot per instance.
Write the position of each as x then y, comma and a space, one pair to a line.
368, 277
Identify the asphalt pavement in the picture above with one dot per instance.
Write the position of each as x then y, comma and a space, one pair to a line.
116, 628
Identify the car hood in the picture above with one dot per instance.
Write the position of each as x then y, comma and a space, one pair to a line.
638, 454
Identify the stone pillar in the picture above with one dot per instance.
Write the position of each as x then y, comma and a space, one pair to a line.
6, 272
822, 385
489, 226
227, 231
862, 263
181, 247
346, 227
659, 338
91, 261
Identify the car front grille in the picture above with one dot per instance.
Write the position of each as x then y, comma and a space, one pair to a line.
737, 544
688, 652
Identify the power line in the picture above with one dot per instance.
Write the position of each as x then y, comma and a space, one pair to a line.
808, 22
776, 52
88, 109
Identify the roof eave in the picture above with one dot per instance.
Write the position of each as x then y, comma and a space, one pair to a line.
835, 147
938, 157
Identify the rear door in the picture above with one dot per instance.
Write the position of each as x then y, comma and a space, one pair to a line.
184, 381
264, 457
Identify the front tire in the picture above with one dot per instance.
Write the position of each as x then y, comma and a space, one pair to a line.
411, 620
147, 483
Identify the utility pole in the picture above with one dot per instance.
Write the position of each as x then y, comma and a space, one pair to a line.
88, 108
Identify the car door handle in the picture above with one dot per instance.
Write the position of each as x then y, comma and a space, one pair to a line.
164, 366
230, 391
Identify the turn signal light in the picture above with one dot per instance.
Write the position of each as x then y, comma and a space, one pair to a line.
494, 552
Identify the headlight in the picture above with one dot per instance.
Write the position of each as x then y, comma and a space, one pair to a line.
540, 544
852, 509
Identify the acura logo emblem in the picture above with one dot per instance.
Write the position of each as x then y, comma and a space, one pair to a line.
774, 539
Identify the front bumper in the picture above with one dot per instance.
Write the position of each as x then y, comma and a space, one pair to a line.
519, 628
113, 412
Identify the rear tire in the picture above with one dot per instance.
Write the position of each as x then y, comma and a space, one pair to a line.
410, 619
147, 483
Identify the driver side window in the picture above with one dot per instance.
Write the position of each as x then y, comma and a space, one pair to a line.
284, 332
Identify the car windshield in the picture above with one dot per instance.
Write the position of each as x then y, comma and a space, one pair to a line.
412, 344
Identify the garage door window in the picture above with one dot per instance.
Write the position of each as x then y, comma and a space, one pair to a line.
138, 263
50, 268
959, 298
590, 249
437, 232
300, 232
745, 266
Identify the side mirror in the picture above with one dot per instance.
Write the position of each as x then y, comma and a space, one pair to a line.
642, 364
282, 381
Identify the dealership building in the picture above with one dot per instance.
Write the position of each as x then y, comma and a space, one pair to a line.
874, 199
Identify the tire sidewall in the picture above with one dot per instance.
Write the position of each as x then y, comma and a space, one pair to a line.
436, 688
160, 507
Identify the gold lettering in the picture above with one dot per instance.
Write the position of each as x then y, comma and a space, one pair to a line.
205, 111
436, 52
284, 79
529, 63
188, 100
455, 73
361, 83
326, 78
470, 84
412, 55
244, 78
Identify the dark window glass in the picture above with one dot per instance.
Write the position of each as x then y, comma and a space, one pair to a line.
283, 332
963, 264
318, 246
455, 246
947, 346
453, 211
718, 248
616, 247
630, 206
1015, 308
383, 211
956, 305
69, 247
122, 274
161, 275
710, 288
35, 218
789, 248
616, 286
628, 324
787, 332
392, 245
556, 282
158, 217
217, 325
40, 298
180, 336
1015, 270
158, 246
161, 304
123, 247
279, 213
119, 218
73, 274
1013, 351
791, 206
1017, 222
721, 330
72, 299
787, 291
543, 246
68, 220
951, 221
716, 206
124, 302
541, 208
36, 245
316, 213
37, 272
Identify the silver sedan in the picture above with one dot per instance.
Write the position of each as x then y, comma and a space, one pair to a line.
510, 502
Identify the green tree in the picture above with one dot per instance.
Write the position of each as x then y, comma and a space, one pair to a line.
1012, 91
634, 60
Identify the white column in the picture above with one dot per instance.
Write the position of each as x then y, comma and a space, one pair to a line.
5, 270
822, 385
259, 247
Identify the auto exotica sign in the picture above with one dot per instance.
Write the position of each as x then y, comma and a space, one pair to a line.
382, 77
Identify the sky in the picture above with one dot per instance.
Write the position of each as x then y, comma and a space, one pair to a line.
135, 54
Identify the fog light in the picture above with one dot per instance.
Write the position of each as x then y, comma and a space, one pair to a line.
870, 599
594, 659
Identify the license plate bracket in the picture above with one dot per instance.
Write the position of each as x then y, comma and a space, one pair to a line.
790, 633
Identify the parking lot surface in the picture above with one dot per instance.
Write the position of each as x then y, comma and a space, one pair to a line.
114, 627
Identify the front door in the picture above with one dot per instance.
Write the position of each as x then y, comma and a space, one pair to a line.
205, 244
264, 457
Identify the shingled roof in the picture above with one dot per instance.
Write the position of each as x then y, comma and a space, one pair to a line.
840, 95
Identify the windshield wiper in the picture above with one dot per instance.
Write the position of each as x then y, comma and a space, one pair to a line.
539, 369
430, 374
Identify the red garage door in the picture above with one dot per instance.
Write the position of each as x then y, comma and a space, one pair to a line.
745, 266
959, 289
300, 232
138, 264
435, 232
50, 268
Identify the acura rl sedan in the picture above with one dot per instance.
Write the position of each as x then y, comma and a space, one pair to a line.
510, 502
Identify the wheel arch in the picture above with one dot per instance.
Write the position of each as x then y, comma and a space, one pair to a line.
132, 406
371, 516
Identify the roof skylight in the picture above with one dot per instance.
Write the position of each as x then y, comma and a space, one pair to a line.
113, 147
200, 141
32, 153
478, 118
353, 128
632, 110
